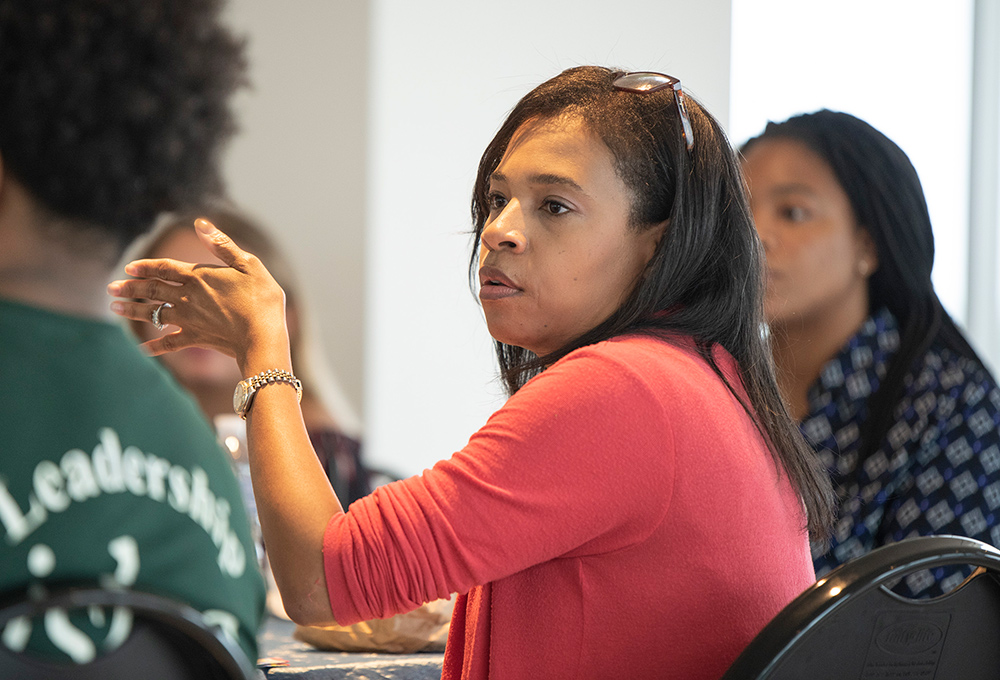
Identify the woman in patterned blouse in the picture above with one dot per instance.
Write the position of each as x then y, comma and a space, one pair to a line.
885, 386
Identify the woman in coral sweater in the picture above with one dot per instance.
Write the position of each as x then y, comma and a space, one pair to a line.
639, 507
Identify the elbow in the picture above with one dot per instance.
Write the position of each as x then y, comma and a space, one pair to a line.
308, 608
307, 615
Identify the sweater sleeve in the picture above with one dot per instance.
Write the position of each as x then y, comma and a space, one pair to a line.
579, 461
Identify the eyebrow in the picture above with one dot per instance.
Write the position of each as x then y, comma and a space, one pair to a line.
544, 178
793, 188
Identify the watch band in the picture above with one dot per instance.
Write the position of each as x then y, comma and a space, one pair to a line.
246, 389
273, 375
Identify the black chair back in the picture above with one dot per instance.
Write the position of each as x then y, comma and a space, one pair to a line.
850, 626
168, 640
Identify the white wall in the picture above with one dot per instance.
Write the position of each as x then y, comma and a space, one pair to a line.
905, 66
984, 205
443, 75
298, 163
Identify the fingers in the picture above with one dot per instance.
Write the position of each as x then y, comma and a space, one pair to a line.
150, 289
165, 269
171, 342
142, 311
161, 345
168, 316
220, 245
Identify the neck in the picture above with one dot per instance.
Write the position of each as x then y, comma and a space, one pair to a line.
58, 284
803, 345
61, 271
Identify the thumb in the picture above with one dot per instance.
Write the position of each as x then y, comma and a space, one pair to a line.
219, 244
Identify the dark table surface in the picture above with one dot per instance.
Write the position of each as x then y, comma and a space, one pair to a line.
306, 662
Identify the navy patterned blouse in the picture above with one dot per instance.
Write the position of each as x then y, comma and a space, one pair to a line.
936, 472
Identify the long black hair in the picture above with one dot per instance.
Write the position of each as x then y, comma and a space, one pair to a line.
705, 279
888, 203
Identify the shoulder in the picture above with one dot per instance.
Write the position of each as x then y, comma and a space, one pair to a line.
610, 380
957, 391
621, 378
666, 365
632, 356
943, 372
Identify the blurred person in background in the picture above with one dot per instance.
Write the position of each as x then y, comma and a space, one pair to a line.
884, 385
209, 375
110, 113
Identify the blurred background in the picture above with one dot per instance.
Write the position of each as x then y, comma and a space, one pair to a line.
364, 125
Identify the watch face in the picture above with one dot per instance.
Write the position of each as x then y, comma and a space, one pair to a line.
241, 396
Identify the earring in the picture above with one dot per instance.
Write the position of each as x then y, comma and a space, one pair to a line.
863, 268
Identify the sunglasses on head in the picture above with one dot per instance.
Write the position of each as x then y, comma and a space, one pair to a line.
649, 81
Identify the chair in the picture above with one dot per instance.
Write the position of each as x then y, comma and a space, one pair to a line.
850, 626
169, 640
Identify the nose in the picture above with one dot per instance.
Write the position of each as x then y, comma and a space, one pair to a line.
506, 231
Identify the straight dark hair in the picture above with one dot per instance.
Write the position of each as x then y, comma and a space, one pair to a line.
888, 202
705, 279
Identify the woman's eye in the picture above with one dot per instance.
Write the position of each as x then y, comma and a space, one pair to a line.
554, 207
794, 213
496, 202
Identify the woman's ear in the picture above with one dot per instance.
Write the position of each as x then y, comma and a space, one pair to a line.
651, 238
867, 253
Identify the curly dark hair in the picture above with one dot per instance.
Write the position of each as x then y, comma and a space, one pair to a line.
112, 111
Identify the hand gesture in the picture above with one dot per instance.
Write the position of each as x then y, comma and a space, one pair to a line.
236, 308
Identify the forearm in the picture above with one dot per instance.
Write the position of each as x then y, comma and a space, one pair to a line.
294, 499
239, 309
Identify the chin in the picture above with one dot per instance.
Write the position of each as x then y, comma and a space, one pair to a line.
513, 342
503, 335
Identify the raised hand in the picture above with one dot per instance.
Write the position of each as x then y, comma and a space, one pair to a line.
236, 308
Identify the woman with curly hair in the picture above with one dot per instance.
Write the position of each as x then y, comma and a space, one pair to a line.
607, 520
110, 112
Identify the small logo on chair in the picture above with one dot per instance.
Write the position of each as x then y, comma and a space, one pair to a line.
909, 637
906, 645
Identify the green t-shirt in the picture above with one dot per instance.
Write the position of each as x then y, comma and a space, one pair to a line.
109, 473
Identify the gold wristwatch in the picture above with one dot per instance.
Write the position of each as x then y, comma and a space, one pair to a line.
246, 389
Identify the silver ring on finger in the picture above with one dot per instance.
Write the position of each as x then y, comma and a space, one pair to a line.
156, 315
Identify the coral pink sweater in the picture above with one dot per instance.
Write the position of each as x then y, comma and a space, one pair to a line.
618, 517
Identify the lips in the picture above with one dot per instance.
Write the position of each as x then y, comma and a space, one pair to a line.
495, 285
